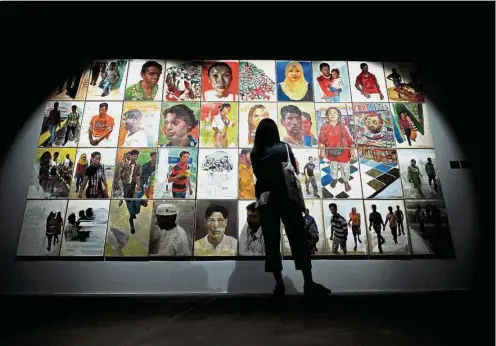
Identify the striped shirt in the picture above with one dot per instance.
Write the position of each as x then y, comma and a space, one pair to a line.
251, 244
339, 227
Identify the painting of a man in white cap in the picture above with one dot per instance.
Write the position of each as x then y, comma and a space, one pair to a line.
173, 238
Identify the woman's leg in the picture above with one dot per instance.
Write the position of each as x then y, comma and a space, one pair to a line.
271, 229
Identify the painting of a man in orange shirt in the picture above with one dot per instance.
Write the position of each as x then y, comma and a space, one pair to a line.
101, 125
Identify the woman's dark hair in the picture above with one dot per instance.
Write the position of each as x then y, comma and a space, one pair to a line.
266, 135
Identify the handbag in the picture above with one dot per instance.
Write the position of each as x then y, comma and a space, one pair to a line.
335, 152
292, 183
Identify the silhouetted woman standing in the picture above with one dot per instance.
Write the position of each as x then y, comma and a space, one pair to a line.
268, 156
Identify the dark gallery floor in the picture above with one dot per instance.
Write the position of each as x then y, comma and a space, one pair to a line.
397, 320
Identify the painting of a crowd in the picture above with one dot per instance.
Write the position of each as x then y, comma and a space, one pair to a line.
54, 174
212, 164
254, 83
182, 82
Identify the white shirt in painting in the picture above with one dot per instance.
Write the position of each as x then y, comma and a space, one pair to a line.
136, 140
337, 83
227, 247
251, 244
211, 95
174, 242
219, 123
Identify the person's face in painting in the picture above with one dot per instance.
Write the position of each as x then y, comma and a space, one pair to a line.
306, 124
365, 68
310, 160
56, 105
130, 123
325, 71
216, 226
353, 210
429, 160
333, 210
166, 222
253, 220
294, 74
255, 118
184, 159
245, 159
153, 159
175, 127
151, 76
332, 115
293, 123
403, 115
95, 160
225, 110
102, 111
413, 162
220, 78
134, 157
334, 75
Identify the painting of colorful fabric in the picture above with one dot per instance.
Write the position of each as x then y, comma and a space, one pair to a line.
220, 81
294, 81
257, 80
419, 173
374, 124
177, 173
412, 128
380, 173
403, 84
331, 81
219, 125
183, 81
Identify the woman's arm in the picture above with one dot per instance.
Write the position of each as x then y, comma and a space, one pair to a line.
292, 158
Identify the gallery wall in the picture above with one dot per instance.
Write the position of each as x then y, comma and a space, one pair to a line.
113, 256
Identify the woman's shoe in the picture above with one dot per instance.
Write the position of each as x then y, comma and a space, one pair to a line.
279, 291
316, 290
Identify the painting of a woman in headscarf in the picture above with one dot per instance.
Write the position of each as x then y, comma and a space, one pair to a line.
294, 81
